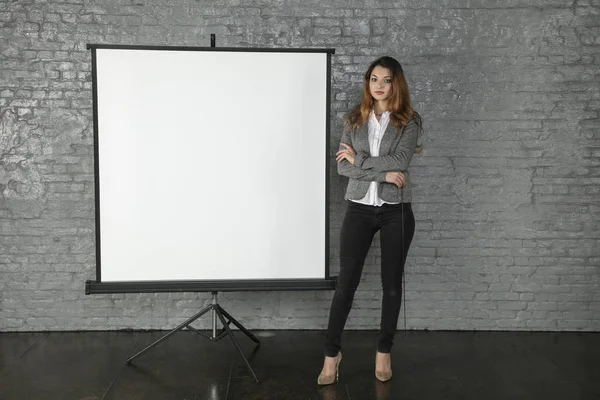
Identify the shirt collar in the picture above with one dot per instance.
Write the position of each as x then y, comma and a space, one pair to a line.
384, 115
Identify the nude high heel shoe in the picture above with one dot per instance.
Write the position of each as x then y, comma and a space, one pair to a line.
329, 379
385, 375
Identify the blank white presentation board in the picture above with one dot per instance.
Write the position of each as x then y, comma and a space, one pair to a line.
211, 168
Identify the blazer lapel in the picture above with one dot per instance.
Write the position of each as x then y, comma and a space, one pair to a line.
388, 138
362, 137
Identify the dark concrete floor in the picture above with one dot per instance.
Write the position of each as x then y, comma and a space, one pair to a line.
187, 366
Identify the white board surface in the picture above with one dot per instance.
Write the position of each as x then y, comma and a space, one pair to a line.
211, 164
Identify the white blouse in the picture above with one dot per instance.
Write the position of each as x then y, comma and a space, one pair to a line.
376, 132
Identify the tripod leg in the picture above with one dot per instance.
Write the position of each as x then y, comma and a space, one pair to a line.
240, 326
179, 327
230, 334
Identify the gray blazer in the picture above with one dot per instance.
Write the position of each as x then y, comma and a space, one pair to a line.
395, 153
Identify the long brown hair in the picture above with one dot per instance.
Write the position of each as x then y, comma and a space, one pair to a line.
399, 105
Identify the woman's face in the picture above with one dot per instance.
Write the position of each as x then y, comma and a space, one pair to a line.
380, 83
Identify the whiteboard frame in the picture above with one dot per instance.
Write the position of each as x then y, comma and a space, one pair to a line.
97, 286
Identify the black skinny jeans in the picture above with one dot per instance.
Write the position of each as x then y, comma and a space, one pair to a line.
361, 222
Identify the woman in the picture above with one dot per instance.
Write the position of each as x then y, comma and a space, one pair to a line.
379, 140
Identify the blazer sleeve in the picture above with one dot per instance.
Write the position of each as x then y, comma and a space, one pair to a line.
352, 171
397, 161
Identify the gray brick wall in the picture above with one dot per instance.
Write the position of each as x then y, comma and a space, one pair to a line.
506, 197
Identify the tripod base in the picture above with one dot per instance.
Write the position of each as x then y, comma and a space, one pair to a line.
217, 312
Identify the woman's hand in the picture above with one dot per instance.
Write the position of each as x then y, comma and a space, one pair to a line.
396, 178
347, 153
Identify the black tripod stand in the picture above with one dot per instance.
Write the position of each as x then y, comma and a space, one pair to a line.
217, 311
